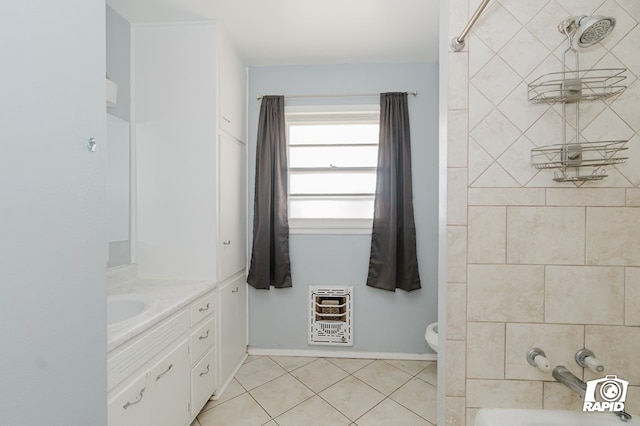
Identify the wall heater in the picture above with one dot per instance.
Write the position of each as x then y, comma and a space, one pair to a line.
330, 315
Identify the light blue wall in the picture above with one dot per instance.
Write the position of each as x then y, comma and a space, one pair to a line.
383, 321
119, 60
53, 319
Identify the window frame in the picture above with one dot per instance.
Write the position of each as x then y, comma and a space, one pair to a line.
353, 114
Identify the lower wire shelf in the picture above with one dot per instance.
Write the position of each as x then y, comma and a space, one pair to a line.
572, 159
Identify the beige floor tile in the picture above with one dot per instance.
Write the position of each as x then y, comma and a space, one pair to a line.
419, 397
242, 410
258, 372
390, 413
350, 365
412, 367
383, 376
313, 412
319, 374
290, 363
429, 374
234, 389
251, 358
352, 397
280, 399
280, 395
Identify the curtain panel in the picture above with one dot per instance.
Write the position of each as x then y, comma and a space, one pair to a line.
270, 264
393, 262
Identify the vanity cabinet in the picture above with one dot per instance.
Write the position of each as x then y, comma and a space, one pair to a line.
166, 375
157, 392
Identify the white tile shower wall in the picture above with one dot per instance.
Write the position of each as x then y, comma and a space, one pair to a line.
544, 263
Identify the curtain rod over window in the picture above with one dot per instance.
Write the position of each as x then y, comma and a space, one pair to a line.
338, 95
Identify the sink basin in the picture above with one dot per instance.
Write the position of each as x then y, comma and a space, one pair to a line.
123, 307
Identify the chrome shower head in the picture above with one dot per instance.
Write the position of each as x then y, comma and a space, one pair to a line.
587, 30
592, 29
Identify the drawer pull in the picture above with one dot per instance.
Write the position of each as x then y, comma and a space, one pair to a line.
204, 337
205, 372
235, 290
226, 243
226, 119
129, 404
164, 372
206, 308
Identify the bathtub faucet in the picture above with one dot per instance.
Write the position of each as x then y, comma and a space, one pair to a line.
567, 378
623, 415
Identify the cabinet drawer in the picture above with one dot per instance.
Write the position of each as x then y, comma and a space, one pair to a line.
202, 340
130, 406
136, 354
203, 381
203, 307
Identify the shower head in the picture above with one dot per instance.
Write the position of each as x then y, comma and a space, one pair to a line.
587, 30
592, 29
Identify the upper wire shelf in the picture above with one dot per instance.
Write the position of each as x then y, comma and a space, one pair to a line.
577, 86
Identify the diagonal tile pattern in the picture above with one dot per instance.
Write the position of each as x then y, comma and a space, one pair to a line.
319, 375
502, 121
293, 391
352, 396
258, 372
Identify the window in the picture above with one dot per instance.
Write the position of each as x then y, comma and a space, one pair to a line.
332, 170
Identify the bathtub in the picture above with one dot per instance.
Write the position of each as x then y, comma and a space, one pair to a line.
514, 417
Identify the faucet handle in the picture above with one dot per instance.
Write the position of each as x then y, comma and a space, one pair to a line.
586, 359
537, 358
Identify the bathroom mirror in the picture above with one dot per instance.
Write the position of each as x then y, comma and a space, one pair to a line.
118, 184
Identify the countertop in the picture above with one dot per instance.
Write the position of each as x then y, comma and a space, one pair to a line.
167, 297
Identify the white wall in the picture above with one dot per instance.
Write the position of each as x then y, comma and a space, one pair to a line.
383, 321
53, 245
175, 130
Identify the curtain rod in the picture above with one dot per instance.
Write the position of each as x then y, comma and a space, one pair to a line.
457, 44
338, 95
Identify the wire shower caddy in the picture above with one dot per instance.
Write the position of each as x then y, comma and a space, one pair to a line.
572, 158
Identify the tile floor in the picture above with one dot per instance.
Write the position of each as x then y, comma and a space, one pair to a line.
302, 391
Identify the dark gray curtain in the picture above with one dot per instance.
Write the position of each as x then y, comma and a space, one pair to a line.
393, 262
270, 264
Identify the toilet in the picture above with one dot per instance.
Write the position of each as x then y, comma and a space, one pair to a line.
431, 336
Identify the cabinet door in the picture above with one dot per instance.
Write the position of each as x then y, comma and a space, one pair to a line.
233, 326
169, 388
130, 407
232, 207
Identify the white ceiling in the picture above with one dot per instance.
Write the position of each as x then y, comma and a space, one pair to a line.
294, 32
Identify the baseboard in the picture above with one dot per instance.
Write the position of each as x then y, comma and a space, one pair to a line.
341, 354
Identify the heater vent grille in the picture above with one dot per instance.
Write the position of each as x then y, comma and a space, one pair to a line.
330, 315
